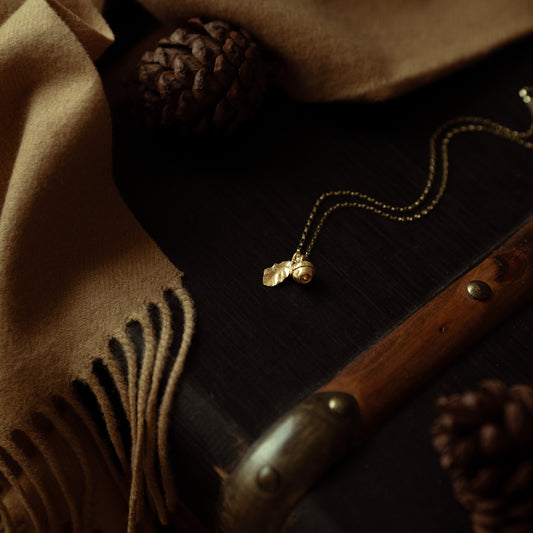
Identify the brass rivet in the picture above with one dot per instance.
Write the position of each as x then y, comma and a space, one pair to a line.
268, 478
479, 290
340, 405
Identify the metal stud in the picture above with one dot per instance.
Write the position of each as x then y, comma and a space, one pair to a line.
268, 478
340, 405
479, 290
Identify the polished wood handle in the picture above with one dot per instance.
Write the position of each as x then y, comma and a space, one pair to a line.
403, 361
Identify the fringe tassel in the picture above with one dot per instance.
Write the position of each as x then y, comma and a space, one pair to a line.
152, 344
26, 454
150, 416
9, 468
168, 396
5, 519
118, 417
136, 489
57, 463
111, 421
111, 465
121, 382
74, 443
131, 358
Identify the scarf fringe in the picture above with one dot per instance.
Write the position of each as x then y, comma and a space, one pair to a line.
111, 424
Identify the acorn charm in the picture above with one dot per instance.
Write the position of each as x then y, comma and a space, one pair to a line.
302, 271
298, 268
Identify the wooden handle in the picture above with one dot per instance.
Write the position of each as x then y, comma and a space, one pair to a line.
395, 367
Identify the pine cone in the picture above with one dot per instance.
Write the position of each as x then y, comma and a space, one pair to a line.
203, 77
485, 442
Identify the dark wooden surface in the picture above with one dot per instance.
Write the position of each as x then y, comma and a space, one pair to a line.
449, 324
224, 209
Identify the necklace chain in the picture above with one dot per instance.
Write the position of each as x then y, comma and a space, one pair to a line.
407, 213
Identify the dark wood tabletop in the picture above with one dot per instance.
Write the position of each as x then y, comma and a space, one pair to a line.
223, 209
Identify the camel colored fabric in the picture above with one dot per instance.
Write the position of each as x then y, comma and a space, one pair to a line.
364, 49
92, 315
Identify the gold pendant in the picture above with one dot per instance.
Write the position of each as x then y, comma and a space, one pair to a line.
299, 268
277, 273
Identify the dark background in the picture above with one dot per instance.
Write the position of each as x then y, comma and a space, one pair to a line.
223, 209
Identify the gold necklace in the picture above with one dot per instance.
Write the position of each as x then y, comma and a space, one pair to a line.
302, 270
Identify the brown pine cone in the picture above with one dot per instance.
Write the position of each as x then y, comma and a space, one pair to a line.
485, 442
203, 77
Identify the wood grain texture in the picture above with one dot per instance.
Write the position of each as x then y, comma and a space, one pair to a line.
394, 368
217, 205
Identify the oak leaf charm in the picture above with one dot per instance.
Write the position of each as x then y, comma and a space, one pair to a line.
277, 273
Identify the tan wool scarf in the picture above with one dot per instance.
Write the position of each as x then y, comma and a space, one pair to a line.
94, 321
90, 308
364, 49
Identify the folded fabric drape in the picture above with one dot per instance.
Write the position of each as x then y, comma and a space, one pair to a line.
364, 49
94, 322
